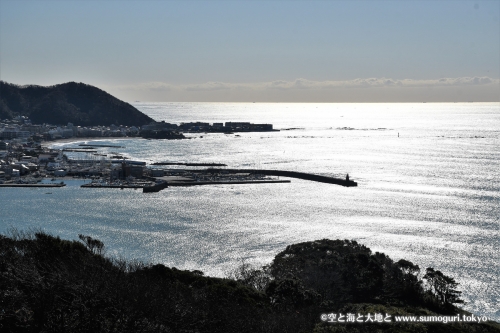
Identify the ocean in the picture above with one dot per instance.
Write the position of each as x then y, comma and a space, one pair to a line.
428, 190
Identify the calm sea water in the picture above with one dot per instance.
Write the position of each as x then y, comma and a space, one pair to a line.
428, 191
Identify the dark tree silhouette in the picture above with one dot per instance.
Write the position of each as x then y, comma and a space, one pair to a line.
444, 287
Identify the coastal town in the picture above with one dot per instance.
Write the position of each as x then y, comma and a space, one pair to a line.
25, 159
21, 130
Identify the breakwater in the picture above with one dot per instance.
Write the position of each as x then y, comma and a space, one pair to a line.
291, 174
283, 173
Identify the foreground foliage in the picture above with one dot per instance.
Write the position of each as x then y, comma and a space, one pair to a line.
53, 285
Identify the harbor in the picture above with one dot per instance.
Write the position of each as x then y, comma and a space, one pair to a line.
210, 176
31, 165
113, 170
175, 178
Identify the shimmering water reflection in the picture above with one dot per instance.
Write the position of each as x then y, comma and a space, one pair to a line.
430, 196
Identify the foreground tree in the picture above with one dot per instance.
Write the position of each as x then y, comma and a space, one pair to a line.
443, 287
53, 285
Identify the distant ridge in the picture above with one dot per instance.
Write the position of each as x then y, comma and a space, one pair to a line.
77, 103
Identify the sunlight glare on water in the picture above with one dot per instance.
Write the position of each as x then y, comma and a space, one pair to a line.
427, 192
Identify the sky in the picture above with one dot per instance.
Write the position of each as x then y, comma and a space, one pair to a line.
257, 51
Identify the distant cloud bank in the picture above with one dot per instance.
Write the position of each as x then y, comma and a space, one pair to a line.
309, 84
362, 90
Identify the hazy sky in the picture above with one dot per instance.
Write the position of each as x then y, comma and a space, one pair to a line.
282, 51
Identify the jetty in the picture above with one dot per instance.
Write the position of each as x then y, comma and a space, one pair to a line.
245, 178
291, 174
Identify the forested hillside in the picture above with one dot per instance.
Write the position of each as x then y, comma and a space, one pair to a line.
78, 103
53, 285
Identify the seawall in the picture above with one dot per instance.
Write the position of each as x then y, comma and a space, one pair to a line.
291, 174
282, 173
